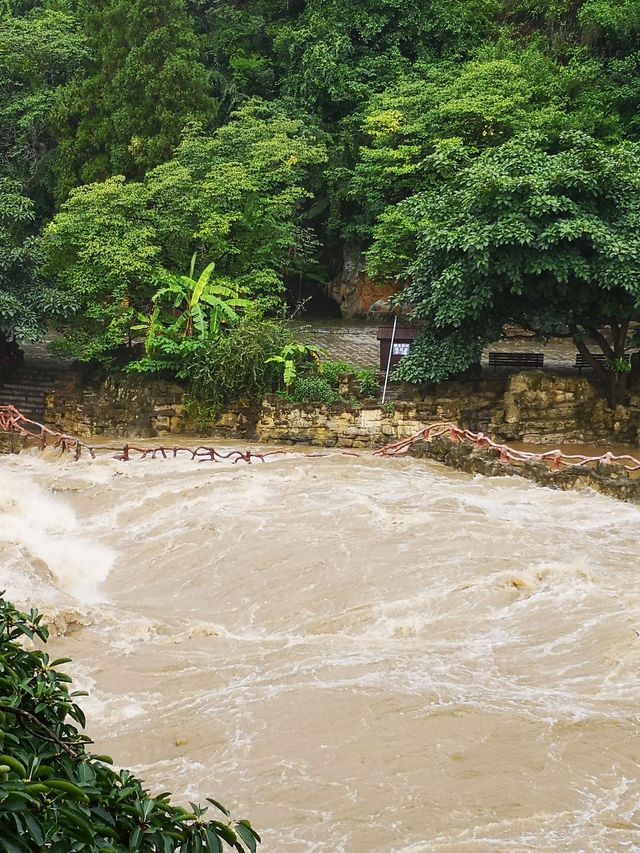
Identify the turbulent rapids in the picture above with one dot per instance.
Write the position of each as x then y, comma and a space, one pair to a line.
359, 654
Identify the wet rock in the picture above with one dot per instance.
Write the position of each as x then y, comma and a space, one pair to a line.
611, 480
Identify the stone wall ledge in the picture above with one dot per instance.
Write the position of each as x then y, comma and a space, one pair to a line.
611, 480
533, 407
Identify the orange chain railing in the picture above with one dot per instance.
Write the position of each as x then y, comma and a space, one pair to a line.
556, 459
13, 421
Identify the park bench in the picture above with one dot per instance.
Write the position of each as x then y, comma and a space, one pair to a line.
583, 364
521, 360
600, 357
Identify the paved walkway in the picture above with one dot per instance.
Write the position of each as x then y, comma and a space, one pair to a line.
356, 343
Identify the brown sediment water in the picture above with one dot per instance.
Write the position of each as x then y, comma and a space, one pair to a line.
359, 654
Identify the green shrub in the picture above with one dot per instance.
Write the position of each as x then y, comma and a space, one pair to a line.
54, 794
333, 370
367, 380
368, 383
234, 366
313, 389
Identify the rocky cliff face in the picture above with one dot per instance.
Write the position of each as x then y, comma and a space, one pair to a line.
353, 290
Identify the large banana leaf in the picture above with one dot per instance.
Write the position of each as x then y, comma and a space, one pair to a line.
198, 318
175, 289
201, 284
289, 371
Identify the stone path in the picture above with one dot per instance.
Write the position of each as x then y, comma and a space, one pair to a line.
352, 341
356, 343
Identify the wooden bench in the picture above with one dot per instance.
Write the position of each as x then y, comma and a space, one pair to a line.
521, 360
600, 357
583, 364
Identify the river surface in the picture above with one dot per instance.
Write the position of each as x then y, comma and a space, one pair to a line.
357, 654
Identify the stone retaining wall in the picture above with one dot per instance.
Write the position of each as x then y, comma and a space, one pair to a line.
611, 480
536, 407
543, 408
134, 406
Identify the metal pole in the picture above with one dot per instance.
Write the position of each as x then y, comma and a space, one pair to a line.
386, 378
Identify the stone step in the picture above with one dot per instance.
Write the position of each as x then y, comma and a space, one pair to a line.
26, 386
28, 397
25, 390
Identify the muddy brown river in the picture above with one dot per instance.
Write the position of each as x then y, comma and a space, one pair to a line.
360, 655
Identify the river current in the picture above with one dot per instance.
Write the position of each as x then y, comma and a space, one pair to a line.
357, 654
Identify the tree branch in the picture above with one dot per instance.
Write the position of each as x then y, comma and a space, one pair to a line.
602, 342
26, 715
623, 331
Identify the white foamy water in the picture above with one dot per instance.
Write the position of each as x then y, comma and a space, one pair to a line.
358, 654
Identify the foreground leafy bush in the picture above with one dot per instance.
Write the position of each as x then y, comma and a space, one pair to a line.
334, 371
313, 389
55, 795
235, 366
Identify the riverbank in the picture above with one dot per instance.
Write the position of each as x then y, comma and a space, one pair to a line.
535, 408
612, 480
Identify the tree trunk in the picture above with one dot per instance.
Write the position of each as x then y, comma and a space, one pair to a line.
615, 381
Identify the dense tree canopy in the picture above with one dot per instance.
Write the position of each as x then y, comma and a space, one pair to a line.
232, 197
265, 136
145, 83
39, 54
539, 231
26, 301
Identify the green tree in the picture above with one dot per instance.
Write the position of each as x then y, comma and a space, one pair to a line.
55, 795
102, 249
39, 54
147, 84
26, 302
538, 231
235, 197
481, 104
606, 26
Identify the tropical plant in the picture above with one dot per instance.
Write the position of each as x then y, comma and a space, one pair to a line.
187, 311
55, 794
368, 383
334, 371
236, 366
313, 389
203, 305
292, 357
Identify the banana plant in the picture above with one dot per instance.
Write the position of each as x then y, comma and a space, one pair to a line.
204, 305
291, 356
151, 326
